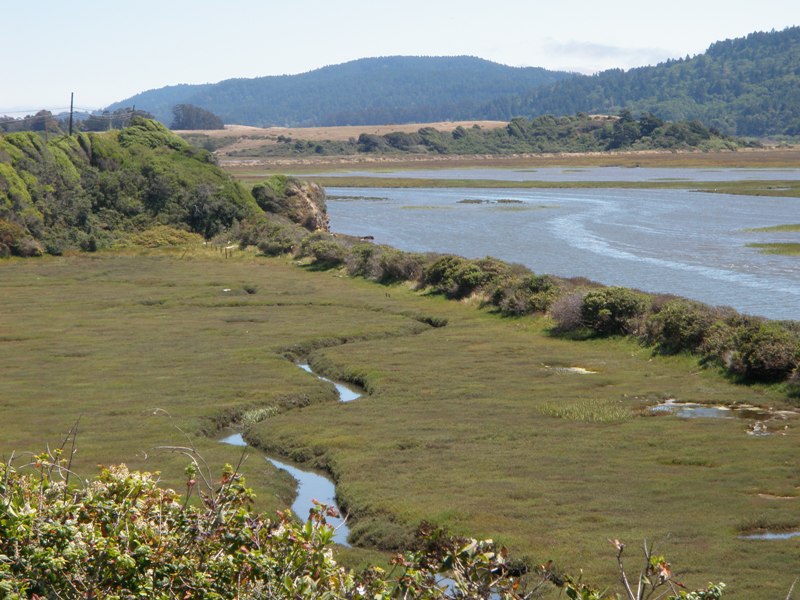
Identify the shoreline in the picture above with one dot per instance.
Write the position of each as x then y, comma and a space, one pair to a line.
750, 158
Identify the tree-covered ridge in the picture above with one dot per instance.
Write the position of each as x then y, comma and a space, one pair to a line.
746, 86
395, 89
92, 190
548, 133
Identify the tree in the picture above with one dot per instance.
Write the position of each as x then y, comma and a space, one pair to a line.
188, 116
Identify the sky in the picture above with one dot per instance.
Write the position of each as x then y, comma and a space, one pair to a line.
108, 51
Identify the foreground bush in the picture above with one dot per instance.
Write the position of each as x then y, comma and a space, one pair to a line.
122, 536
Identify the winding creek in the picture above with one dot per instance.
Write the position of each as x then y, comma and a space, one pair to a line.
311, 485
674, 241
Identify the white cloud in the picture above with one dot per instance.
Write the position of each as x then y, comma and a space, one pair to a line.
590, 57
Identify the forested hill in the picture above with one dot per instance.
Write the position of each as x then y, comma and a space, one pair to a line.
396, 89
747, 86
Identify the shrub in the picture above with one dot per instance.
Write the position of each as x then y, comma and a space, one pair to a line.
679, 326
517, 296
764, 352
326, 252
361, 259
566, 312
753, 349
30, 247
613, 310
121, 536
164, 235
458, 277
14, 239
396, 265
272, 235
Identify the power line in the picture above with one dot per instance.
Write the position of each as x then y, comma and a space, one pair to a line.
103, 117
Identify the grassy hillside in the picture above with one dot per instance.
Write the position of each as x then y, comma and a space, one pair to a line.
746, 86
392, 89
96, 189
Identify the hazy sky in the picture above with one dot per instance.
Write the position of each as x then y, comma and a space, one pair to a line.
108, 51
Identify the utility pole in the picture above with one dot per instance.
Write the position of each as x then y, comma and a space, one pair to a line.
71, 104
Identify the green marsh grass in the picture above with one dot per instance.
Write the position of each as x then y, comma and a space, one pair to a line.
463, 424
787, 188
589, 410
785, 249
775, 228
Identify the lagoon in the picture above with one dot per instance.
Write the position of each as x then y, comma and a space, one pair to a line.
682, 242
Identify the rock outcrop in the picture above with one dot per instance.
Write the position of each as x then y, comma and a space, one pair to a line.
303, 202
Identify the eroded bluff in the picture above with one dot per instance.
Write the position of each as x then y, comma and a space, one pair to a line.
302, 202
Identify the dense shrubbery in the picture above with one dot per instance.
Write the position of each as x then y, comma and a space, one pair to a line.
122, 536
747, 348
92, 190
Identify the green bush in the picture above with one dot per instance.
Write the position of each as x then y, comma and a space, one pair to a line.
362, 259
163, 236
122, 536
458, 277
753, 349
764, 352
516, 296
679, 326
326, 253
613, 310
396, 265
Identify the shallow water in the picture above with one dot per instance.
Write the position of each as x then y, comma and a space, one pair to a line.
680, 242
346, 393
310, 486
691, 410
560, 174
771, 536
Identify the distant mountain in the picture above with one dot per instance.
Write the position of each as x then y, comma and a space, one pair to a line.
745, 86
394, 89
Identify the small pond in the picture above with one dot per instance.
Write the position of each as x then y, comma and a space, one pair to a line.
692, 410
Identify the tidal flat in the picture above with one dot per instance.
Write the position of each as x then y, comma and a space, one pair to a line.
484, 425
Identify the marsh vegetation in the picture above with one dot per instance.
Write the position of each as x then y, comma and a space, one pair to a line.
467, 425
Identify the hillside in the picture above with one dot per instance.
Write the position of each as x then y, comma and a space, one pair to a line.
93, 190
577, 133
395, 89
747, 86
